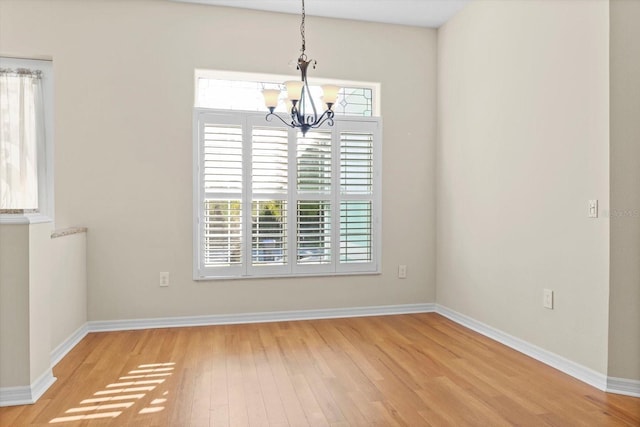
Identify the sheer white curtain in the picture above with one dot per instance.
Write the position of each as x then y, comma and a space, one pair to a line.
21, 125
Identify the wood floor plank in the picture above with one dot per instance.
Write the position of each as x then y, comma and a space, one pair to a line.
290, 402
409, 370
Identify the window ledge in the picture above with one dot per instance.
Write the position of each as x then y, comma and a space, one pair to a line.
204, 278
23, 216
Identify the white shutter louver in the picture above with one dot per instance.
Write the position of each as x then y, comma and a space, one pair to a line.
356, 192
356, 163
269, 169
355, 231
222, 159
314, 232
269, 172
222, 233
314, 162
314, 185
222, 179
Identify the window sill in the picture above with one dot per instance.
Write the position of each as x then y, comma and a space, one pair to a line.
286, 276
23, 216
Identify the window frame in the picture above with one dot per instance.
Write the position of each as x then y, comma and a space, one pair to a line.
247, 269
45, 145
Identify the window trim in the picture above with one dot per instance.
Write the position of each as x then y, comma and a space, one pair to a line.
45, 211
292, 269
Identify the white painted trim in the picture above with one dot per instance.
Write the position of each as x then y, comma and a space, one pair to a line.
623, 386
11, 396
42, 384
26, 395
67, 345
275, 316
582, 373
29, 218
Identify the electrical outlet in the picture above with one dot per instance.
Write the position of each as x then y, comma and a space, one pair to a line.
164, 278
402, 271
547, 301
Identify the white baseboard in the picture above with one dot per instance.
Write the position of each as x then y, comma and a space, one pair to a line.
275, 316
623, 386
10, 396
67, 345
582, 373
26, 395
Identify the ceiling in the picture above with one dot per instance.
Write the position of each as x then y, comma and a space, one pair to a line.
422, 13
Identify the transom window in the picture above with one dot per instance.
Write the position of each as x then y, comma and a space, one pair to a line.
243, 92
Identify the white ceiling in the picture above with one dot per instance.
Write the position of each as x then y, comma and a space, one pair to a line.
422, 13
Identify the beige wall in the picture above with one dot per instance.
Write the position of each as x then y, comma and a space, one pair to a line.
523, 103
68, 286
523, 143
14, 305
124, 96
42, 298
40, 290
624, 314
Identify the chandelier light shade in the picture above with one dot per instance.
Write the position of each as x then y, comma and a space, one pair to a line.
303, 112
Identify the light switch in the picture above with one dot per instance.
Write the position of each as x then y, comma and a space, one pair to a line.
547, 301
402, 271
593, 209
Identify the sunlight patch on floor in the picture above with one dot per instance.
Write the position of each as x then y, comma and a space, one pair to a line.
120, 393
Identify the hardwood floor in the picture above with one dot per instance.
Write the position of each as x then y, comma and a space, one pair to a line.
409, 370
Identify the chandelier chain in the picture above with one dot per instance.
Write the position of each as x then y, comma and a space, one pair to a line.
303, 112
304, 41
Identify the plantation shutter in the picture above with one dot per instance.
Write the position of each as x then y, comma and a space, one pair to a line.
269, 204
272, 202
221, 219
314, 169
356, 196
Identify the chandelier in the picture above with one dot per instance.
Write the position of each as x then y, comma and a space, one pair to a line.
302, 110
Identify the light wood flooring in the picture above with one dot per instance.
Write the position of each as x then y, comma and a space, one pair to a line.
408, 370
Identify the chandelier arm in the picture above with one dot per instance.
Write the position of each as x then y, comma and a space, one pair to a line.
327, 117
268, 118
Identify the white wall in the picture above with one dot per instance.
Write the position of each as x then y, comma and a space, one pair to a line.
523, 103
624, 315
124, 96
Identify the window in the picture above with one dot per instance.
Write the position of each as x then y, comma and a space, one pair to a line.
272, 202
243, 92
247, 96
26, 175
